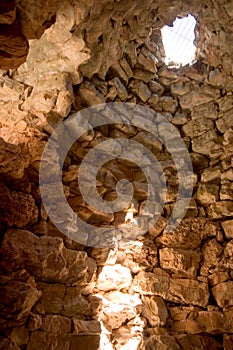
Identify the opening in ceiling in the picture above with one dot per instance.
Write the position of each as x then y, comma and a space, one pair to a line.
178, 41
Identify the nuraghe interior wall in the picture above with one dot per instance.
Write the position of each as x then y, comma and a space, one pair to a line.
163, 291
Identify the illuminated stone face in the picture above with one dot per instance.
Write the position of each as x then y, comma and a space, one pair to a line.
178, 41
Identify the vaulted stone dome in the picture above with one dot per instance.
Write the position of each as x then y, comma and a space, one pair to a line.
90, 115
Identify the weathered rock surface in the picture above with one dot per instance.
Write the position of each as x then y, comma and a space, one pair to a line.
161, 342
13, 159
154, 310
223, 294
53, 93
17, 299
178, 290
46, 257
49, 341
228, 228
91, 53
195, 322
181, 262
14, 45
10, 202
114, 277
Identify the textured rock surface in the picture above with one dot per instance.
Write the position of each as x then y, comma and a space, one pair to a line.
164, 290
46, 257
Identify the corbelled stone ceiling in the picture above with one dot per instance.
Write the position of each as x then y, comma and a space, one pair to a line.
158, 290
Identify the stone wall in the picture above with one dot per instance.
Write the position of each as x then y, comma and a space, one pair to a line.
161, 291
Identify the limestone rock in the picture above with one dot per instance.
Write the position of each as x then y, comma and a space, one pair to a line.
52, 297
211, 251
13, 162
52, 93
181, 262
102, 256
226, 191
123, 298
121, 90
140, 89
56, 324
57, 299
7, 12
197, 96
83, 342
166, 77
153, 101
33, 25
140, 255
114, 314
11, 90
166, 104
218, 277
225, 103
224, 122
206, 110
10, 202
148, 60
214, 322
48, 341
207, 194
34, 322
199, 162
189, 292
196, 342
74, 303
227, 341
157, 88
211, 175
126, 67
161, 342
129, 336
228, 228
120, 308
154, 310
67, 51
14, 50
46, 257
180, 88
198, 127
178, 290
227, 257
89, 95
207, 143
114, 277
219, 209
112, 51
179, 119
7, 344
143, 75
217, 78
17, 299
19, 336
157, 229
187, 235
86, 327
223, 293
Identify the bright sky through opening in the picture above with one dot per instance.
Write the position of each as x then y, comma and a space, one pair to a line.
178, 41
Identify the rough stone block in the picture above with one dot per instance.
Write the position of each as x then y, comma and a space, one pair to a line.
85, 342
184, 291
46, 257
114, 277
181, 262
48, 341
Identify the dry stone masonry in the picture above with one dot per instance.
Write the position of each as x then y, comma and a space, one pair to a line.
164, 290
